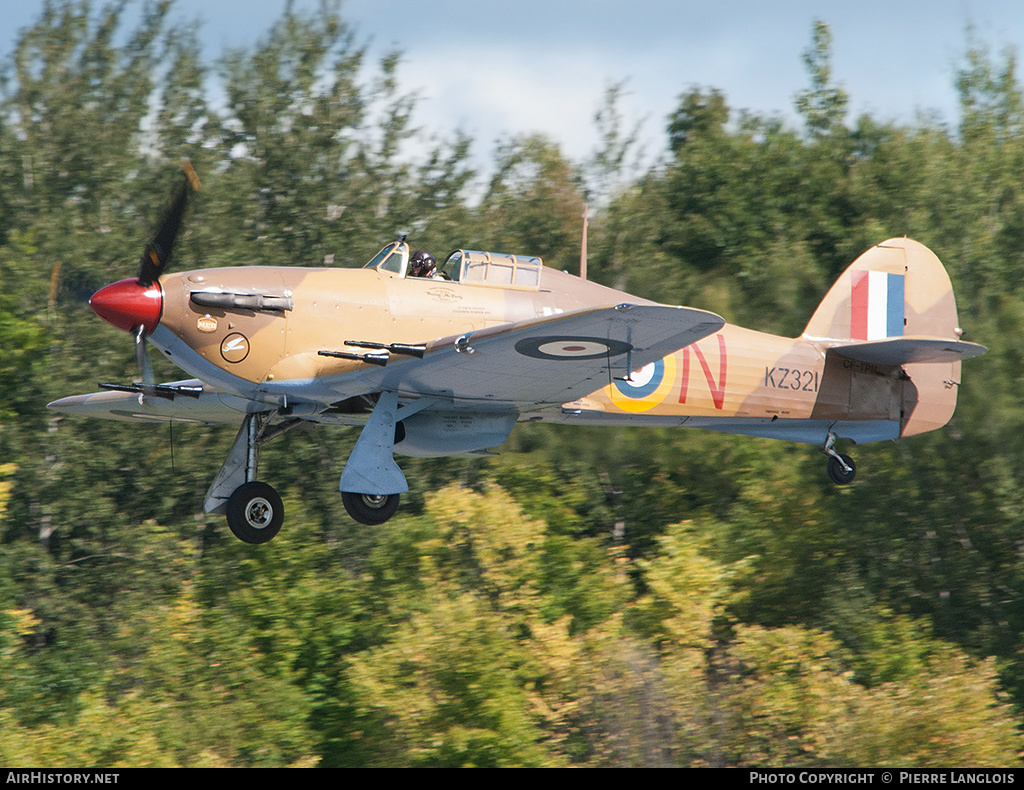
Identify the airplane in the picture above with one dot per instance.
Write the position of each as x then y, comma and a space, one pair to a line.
448, 364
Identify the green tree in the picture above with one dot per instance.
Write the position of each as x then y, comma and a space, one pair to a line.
823, 105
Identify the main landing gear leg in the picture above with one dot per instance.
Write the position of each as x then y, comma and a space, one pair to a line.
840, 468
371, 482
254, 509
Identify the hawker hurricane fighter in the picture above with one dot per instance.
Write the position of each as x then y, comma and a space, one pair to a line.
448, 363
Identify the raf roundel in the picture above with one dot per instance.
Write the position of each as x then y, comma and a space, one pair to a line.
646, 387
567, 347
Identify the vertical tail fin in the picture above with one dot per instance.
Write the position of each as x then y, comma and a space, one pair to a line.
897, 289
895, 303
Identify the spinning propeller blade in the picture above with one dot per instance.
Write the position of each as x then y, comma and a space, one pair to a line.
158, 252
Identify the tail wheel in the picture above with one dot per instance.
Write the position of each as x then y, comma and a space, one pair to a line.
370, 509
837, 474
255, 512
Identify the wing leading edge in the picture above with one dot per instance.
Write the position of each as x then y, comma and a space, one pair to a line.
207, 407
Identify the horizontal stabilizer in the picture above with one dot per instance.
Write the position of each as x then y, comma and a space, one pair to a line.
910, 350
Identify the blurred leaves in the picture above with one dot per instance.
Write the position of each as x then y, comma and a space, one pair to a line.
593, 597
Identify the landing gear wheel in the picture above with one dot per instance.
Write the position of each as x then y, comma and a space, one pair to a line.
837, 474
255, 512
370, 508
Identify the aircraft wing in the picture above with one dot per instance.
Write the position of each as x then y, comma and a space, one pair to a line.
542, 362
550, 360
209, 406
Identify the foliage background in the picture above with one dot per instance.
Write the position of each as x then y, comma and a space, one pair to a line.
590, 597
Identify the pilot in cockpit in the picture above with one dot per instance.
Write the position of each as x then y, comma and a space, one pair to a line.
422, 264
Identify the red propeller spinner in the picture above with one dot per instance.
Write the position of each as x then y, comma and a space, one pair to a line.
127, 304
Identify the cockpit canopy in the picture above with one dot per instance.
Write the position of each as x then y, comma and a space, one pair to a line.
493, 268
393, 258
470, 267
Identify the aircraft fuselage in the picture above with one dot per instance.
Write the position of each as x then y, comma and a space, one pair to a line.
738, 380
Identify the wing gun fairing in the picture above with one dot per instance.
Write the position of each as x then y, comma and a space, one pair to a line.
446, 363
383, 357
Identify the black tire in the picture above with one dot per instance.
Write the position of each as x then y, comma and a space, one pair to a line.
369, 508
837, 474
255, 512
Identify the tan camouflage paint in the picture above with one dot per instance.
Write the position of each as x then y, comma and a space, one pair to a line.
760, 376
802, 378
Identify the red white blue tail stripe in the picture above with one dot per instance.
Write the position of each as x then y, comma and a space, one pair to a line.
876, 305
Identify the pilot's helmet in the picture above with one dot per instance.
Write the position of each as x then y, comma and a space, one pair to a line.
422, 263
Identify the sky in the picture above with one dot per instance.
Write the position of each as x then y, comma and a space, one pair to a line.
497, 69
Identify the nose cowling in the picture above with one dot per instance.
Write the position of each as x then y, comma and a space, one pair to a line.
127, 304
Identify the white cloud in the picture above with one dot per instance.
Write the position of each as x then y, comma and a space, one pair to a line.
494, 69
502, 92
